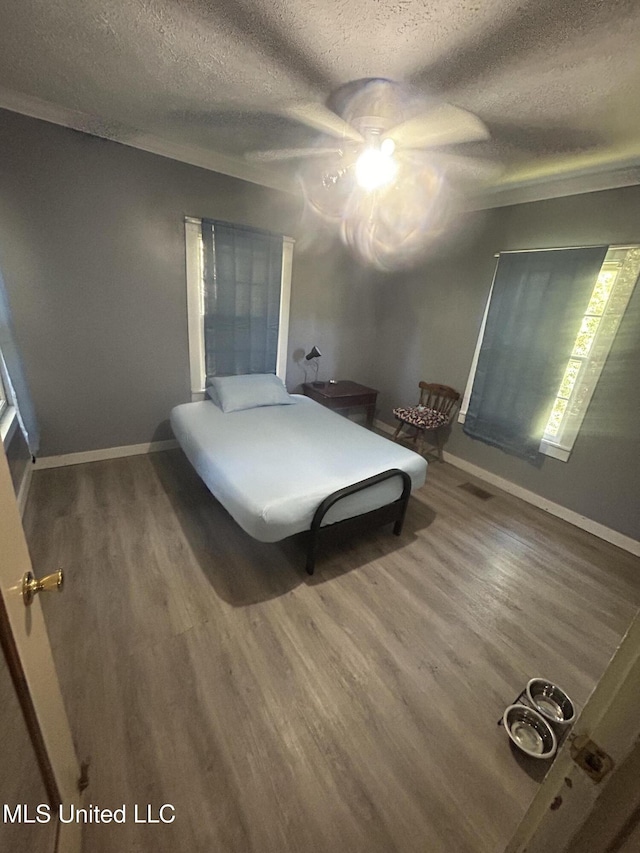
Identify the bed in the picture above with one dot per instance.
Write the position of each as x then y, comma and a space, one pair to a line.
281, 469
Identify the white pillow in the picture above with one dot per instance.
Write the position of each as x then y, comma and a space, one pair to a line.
212, 394
250, 391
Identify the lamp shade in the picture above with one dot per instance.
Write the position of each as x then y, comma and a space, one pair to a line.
314, 353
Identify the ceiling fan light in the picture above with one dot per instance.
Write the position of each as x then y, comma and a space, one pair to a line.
375, 169
387, 146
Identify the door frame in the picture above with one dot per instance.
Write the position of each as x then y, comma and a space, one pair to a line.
568, 796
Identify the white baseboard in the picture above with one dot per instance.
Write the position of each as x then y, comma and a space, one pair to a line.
588, 524
25, 485
104, 453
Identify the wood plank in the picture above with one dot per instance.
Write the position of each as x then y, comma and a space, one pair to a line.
354, 710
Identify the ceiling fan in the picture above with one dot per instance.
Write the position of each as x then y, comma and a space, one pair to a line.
381, 166
370, 126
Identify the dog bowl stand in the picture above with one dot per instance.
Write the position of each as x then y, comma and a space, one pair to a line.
560, 732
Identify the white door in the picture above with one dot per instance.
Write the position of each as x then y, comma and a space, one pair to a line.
31, 672
589, 802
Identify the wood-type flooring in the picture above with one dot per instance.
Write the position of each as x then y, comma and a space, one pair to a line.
352, 711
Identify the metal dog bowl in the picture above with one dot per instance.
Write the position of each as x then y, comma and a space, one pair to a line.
552, 702
530, 731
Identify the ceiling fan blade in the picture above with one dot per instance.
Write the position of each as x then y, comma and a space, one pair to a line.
442, 125
323, 119
276, 154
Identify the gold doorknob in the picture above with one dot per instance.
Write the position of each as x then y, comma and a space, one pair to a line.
31, 585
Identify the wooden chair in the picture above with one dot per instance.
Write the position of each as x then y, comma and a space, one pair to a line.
434, 412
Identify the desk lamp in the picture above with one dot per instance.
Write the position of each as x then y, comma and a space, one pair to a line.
313, 355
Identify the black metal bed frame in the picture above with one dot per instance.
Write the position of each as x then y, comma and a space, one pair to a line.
394, 511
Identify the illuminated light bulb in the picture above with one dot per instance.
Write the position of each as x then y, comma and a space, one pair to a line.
388, 146
376, 167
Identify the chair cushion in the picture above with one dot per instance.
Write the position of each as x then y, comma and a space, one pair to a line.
420, 417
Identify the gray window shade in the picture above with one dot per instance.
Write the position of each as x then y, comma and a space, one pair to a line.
242, 281
537, 301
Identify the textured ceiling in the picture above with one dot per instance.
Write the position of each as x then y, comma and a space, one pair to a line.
556, 81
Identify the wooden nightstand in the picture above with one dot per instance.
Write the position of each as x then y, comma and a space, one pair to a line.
344, 395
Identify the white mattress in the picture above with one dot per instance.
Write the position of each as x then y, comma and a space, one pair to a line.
272, 466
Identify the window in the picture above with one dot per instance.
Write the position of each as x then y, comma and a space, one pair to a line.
550, 321
594, 337
15, 401
3, 397
238, 288
7, 409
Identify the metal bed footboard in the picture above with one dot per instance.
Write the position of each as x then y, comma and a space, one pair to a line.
396, 510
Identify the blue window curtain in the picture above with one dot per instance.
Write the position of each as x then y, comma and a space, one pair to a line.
536, 306
14, 377
242, 281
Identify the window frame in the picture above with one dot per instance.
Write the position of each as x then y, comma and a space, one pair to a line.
8, 414
195, 305
592, 362
562, 447
4, 400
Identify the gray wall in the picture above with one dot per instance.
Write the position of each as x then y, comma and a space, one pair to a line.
429, 321
92, 250
333, 308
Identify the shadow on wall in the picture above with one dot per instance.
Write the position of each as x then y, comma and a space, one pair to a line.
300, 373
163, 431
